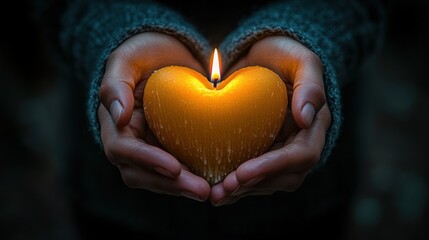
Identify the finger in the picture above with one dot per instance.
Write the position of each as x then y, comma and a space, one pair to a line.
230, 183
227, 201
230, 190
233, 199
298, 156
308, 90
121, 147
222, 191
187, 184
283, 181
116, 89
218, 195
138, 153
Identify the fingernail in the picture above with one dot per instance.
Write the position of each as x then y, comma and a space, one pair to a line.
116, 110
164, 172
191, 196
308, 113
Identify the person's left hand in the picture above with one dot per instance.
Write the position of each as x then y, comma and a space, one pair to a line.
300, 142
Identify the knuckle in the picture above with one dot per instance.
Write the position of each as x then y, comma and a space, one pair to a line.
102, 92
318, 90
311, 58
116, 55
105, 89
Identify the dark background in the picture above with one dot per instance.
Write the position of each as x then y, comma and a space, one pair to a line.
392, 112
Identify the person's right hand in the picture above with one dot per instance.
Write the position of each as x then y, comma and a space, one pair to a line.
128, 142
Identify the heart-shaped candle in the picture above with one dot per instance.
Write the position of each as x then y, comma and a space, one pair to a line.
212, 128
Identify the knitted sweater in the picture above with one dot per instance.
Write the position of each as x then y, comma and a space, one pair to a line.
342, 33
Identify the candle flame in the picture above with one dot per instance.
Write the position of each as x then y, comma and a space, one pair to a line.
215, 77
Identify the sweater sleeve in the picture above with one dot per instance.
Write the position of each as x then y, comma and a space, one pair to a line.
342, 33
91, 30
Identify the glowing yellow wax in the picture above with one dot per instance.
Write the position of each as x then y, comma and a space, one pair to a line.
214, 130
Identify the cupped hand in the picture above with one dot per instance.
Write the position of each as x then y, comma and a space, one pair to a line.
298, 147
128, 142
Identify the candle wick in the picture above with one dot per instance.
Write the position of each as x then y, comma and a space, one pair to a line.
215, 81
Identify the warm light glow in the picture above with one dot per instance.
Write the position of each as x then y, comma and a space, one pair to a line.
215, 77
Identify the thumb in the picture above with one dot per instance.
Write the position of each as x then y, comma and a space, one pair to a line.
116, 93
308, 96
